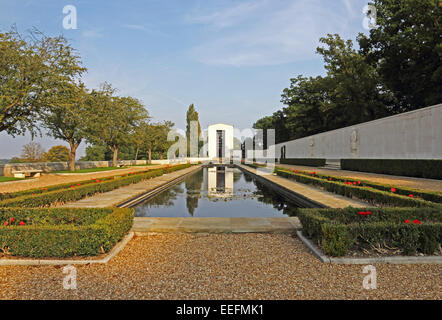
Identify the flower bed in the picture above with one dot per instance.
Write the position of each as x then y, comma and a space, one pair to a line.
62, 232
356, 189
426, 195
337, 231
59, 194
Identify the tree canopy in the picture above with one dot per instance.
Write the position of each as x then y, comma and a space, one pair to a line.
31, 71
113, 119
396, 69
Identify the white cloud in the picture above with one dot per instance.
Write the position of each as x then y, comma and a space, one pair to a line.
92, 34
227, 17
134, 26
271, 32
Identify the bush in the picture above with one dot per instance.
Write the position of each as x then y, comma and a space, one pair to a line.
65, 193
304, 162
432, 196
370, 195
63, 232
336, 230
401, 167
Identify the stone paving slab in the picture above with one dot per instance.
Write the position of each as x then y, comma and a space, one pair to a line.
326, 198
400, 181
146, 225
117, 196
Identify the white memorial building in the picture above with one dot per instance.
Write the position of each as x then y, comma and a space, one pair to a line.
220, 141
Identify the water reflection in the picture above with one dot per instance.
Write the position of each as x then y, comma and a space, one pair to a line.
217, 192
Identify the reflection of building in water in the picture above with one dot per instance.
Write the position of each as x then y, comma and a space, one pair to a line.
219, 181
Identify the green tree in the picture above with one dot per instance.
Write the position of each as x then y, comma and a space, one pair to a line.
192, 115
155, 136
353, 90
68, 119
32, 152
406, 47
30, 71
113, 119
95, 153
305, 100
57, 154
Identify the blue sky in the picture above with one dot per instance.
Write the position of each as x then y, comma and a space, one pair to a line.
231, 58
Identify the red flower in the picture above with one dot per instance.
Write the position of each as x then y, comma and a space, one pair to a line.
417, 221
407, 221
364, 213
393, 189
354, 182
6, 223
22, 223
313, 173
359, 182
330, 179
72, 186
12, 220
368, 212
78, 184
410, 195
44, 189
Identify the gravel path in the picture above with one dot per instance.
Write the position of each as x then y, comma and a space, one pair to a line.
410, 182
223, 266
52, 179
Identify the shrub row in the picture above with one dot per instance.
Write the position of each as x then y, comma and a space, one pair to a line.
338, 230
426, 195
59, 196
34, 191
351, 191
402, 167
304, 162
63, 232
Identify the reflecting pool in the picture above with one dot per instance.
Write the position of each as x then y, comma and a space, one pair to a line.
217, 192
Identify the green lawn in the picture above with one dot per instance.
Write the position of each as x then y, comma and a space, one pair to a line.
100, 169
4, 179
90, 170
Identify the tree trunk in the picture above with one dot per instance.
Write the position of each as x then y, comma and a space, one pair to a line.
149, 152
72, 155
115, 157
136, 154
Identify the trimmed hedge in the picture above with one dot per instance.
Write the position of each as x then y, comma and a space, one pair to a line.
401, 167
63, 194
304, 162
63, 232
351, 191
338, 230
432, 196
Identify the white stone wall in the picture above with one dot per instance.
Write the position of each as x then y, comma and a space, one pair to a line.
411, 135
